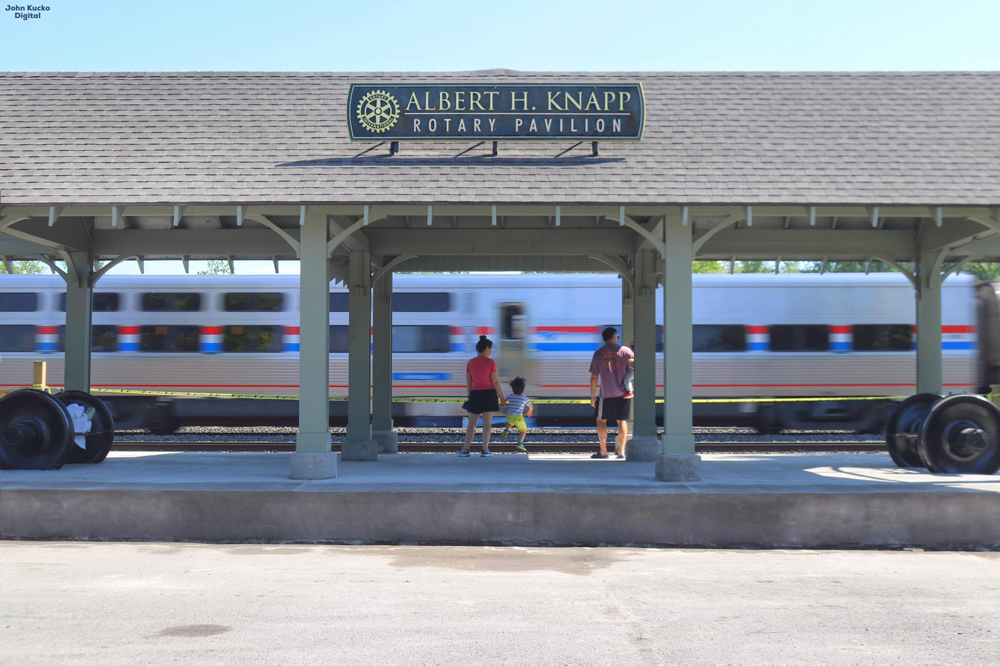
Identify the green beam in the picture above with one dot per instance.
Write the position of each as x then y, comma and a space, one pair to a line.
800, 243
563, 241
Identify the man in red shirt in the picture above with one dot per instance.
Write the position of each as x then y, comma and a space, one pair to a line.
608, 366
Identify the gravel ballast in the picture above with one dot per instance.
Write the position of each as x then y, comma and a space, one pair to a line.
457, 435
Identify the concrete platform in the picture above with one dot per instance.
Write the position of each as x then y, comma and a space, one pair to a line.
775, 500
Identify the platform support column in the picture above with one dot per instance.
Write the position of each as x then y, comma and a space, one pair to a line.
929, 366
358, 444
645, 446
79, 316
312, 458
382, 428
677, 461
628, 329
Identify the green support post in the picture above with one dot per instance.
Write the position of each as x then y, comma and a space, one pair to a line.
382, 428
358, 444
628, 329
644, 446
677, 461
79, 317
312, 458
930, 374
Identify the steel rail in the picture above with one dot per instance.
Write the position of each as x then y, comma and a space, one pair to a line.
504, 446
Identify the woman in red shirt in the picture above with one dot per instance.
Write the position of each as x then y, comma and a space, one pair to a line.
484, 395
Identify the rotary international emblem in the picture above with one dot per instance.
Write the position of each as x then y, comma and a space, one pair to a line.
378, 111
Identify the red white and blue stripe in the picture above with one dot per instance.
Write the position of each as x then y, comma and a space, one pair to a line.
290, 339
566, 339
47, 338
758, 338
210, 340
542, 338
457, 339
841, 338
128, 338
958, 338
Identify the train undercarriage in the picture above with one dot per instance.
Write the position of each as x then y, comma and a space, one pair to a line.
165, 414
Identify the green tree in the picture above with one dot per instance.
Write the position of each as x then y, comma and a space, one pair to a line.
753, 267
708, 267
767, 267
985, 271
24, 267
745, 267
846, 267
216, 267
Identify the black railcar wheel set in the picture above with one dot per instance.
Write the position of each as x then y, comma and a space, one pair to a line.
957, 434
36, 430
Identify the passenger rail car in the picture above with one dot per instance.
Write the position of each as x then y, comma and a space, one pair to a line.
755, 336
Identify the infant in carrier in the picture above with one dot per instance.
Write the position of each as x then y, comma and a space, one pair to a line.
629, 375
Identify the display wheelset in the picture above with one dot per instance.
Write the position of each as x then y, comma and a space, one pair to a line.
102, 428
36, 430
957, 434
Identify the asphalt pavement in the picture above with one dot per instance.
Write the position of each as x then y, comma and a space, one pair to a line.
139, 603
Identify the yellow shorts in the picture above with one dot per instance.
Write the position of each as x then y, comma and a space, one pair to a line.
517, 420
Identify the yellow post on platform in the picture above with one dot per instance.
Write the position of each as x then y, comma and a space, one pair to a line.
995, 394
39, 371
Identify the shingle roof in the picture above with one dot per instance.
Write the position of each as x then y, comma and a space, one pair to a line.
850, 138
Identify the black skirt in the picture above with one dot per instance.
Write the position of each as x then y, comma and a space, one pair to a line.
484, 400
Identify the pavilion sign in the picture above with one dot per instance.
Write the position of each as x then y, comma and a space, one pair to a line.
496, 112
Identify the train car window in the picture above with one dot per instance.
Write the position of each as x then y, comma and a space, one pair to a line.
421, 301
103, 338
160, 301
421, 339
169, 338
251, 339
403, 301
13, 301
512, 322
800, 338
17, 338
253, 302
101, 302
338, 339
883, 337
338, 302
719, 338
623, 341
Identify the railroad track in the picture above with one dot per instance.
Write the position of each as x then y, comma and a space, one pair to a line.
507, 447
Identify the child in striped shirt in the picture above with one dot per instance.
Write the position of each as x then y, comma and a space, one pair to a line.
518, 406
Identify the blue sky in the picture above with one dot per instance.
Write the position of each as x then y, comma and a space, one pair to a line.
429, 35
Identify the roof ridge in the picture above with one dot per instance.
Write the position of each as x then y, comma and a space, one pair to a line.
505, 72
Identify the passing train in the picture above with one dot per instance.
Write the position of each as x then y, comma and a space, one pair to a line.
164, 346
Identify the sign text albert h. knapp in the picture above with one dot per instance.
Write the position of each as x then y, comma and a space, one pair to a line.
526, 111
